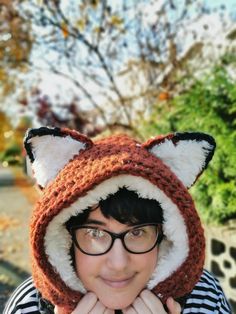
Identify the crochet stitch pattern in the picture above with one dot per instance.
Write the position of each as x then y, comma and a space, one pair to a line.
98, 162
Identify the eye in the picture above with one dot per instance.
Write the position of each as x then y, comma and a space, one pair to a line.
137, 232
94, 233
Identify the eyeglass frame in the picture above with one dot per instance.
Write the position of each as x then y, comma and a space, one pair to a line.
115, 236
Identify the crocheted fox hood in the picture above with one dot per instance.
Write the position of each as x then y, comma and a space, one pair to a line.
76, 172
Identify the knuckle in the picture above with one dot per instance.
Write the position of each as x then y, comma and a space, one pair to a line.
144, 293
137, 301
90, 296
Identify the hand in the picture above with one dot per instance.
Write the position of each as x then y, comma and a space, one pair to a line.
88, 304
148, 303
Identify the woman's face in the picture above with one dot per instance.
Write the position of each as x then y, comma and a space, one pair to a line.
118, 276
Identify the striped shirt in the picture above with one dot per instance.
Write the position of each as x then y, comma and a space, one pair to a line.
207, 297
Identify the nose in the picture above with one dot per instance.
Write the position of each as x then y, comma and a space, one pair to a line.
118, 257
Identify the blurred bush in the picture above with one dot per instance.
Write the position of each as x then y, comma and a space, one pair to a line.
12, 155
11, 140
208, 106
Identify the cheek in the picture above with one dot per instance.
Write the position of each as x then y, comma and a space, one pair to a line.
86, 267
81, 262
148, 263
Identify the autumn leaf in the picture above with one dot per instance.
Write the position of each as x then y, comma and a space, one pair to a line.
65, 31
80, 24
98, 30
116, 20
15, 45
4, 2
94, 3
163, 96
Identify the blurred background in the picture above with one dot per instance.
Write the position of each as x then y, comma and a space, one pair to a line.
140, 67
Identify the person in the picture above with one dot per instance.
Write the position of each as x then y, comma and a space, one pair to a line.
116, 230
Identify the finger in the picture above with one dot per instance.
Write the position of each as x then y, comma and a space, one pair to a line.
86, 304
129, 310
152, 302
173, 306
99, 308
57, 310
140, 306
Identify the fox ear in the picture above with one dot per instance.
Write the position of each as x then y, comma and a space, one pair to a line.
186, 154
50, 149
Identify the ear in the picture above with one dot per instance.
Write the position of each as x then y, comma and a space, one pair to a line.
186, 154
50, 149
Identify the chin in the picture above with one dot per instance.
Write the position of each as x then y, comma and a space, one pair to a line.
116, 303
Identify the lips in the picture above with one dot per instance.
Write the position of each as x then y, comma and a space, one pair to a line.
117, 283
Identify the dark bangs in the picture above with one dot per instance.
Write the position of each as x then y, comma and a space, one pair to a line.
128, 208
124, 206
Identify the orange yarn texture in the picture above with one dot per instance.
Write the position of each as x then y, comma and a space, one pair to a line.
104, 159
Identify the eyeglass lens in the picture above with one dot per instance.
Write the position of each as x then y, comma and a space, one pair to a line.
92, 240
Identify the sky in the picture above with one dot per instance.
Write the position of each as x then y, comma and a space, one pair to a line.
214, 33
228, 3
68, 89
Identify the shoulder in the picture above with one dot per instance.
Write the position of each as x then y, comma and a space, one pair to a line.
207, 297
23, 300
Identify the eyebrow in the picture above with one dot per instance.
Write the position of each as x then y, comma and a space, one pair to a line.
95, 222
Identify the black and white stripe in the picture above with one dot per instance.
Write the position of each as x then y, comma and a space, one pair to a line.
23, 300
207, 297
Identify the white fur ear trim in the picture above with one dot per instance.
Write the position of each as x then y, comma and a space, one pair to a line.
51, 154
186, 158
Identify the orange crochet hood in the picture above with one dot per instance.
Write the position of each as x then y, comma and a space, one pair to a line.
76, 172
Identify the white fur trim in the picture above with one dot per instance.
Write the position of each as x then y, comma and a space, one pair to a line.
173, 251
185, 158
51, 154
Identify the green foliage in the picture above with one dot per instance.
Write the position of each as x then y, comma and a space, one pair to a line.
12, 155
209, 106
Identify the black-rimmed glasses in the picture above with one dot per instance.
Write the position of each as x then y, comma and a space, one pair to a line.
93, 240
